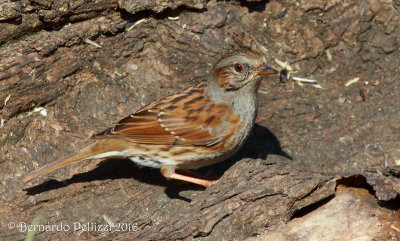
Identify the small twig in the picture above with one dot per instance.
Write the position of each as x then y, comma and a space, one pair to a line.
304, 80
352, 81
136, 23
174, 18
284, 65
7, 99
263, 92
88, 41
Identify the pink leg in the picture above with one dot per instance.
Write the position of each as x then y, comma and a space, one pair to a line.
169, 172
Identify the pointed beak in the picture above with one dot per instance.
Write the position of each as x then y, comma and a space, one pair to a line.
265, 70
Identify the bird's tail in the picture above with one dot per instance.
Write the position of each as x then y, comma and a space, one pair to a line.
87, 152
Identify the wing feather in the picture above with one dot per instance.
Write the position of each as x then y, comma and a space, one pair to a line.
188, 118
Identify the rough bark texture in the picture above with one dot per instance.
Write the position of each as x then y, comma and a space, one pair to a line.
69, 69
353, 215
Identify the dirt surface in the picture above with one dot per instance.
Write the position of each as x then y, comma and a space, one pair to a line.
69, 69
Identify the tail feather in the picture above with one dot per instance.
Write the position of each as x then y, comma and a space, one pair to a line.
80, 155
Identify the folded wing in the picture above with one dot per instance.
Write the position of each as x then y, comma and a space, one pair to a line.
188, 118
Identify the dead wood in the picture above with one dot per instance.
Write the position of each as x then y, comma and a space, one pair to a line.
69, 69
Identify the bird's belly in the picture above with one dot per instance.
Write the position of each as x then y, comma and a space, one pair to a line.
152, 162
147, 162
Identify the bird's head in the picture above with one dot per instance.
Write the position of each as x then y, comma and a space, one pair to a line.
237, 68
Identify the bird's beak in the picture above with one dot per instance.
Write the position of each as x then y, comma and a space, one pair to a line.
265, 70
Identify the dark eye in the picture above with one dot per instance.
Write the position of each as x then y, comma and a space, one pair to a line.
238, 67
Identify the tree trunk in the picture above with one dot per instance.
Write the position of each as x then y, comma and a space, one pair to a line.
69, 69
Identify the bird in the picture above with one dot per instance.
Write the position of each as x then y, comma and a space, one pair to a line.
196, 127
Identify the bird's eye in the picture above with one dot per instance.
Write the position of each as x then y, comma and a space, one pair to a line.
238, 67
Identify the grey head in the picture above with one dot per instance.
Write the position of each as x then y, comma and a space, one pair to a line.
236, 74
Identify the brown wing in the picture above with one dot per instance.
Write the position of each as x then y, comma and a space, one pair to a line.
188, 118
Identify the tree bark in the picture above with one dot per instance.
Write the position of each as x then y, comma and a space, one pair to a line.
69, 69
